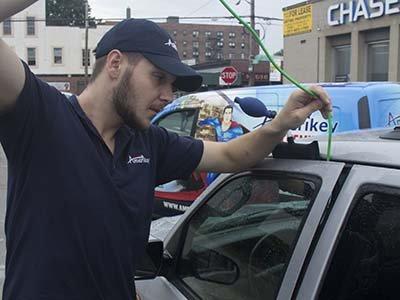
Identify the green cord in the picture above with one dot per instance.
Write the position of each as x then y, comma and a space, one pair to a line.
286, 75
329, 150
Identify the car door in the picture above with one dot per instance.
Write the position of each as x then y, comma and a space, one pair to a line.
358, 253
248, 235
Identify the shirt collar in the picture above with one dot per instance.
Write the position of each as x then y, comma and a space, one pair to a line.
124, 132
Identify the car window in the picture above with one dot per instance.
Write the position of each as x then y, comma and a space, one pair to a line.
181, 122
239, 243
366, 262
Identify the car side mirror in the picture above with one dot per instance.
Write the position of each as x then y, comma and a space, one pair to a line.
149, 266
209, 265
231, 201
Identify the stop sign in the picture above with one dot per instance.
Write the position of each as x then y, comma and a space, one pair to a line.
228, 75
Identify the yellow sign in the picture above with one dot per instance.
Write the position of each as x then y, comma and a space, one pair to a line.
297, 20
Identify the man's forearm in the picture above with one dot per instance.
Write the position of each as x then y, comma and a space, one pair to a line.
11, 7
242, 152
252, 147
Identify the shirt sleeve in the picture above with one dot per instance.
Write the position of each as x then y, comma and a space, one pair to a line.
177, 156
19, 125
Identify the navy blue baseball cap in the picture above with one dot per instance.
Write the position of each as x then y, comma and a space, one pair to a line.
155, 44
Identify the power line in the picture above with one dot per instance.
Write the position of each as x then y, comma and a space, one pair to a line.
196, 10
148, 18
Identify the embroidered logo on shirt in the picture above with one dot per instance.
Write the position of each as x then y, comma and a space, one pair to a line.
138, 159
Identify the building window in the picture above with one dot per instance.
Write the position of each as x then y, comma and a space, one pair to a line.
341, 63
184, 43
220, 44
195, 34
195, 44
242, 45
207, 33
220, 34
208, 54
232, 44
30, 25
208, 44
7, 27
195, 53
31, 55
231, 56
184, 53
242, 56
184, 32
57, 53
378, 61
85, 57
219, 55
175, 33
232, 34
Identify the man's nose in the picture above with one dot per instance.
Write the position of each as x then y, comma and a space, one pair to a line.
167, 93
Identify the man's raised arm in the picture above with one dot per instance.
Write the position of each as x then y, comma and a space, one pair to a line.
246, 150
12, 75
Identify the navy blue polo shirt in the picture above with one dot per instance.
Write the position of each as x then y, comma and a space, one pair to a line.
78, 216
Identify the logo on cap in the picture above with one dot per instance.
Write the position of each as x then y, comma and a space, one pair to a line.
171, 44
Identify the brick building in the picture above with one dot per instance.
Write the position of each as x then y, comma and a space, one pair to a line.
200, 43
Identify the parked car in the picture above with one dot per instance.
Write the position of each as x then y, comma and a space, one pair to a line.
290, 228
217, 116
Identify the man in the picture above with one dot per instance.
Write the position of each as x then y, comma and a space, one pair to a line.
82, 171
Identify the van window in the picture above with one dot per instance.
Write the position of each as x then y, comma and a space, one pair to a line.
181, 122
270, 100
364, 115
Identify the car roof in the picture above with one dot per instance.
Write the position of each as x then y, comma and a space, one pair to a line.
362, 146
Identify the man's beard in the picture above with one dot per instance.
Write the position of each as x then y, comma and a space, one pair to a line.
123, 95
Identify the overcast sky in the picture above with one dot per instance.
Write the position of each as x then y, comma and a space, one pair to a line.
200, 8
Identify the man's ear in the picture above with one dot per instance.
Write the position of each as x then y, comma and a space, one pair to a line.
114, 63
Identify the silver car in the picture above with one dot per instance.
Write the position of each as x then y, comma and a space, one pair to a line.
294, 227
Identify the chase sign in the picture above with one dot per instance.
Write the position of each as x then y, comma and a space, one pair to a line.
352, 11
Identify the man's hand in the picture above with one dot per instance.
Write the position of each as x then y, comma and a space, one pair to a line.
300, 105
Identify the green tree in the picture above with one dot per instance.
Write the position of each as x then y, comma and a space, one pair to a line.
66, 13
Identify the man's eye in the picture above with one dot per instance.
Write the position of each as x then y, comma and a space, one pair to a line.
159, 77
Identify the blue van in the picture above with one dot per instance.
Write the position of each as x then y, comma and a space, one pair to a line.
216, 116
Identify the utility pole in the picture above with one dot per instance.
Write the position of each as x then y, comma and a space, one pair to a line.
86, 54
251, 56
251, 52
